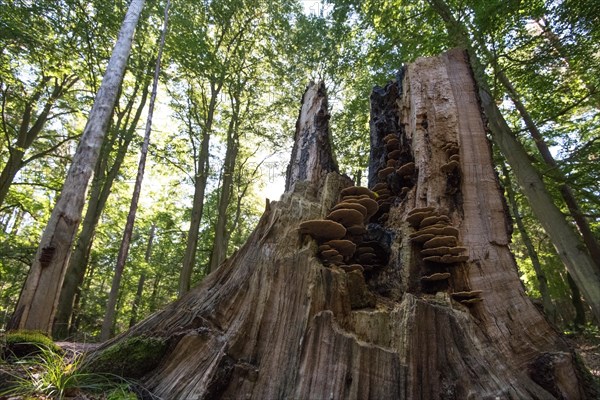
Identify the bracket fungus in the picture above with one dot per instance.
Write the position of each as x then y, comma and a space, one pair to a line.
346, 217
370, 204
351, 206
357, 191
380, 186
385, 172
406, 169
450, 166
389, 137
345, 247
440, 276
467, 294
434, 219
439, 241
322, 229
394, 155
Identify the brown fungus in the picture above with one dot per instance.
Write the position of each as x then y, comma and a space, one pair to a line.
455, 157
394, 155
406, 169
434, 219
467, 294
422, 238
370, 204
344, 247
329, 253
357, 191
416, 218
346, 217
439, 241
436, 251
450, 166
323, 229
380, 186
389, 137
385, 172
351, 206
440, 276
357, 230
392, 145
421, 209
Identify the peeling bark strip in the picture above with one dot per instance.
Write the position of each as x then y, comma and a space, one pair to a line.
281, 319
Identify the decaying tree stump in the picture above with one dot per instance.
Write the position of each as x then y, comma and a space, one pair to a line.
415, 298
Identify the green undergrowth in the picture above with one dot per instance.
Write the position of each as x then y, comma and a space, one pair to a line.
34, 367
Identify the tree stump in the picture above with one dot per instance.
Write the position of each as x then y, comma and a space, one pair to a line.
428, 306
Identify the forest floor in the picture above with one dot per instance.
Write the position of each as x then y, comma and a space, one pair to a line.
587, 345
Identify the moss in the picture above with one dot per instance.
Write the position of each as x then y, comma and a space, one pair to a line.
19, 344
130, 358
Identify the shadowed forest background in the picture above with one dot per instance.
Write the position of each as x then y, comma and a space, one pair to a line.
232, 74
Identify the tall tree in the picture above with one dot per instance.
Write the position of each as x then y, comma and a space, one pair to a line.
39, 297
109, 318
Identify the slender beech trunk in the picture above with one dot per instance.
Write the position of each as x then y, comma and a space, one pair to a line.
220, 243
202, 171
39, 296
137, 300
579, 320
533, 255
109, 318
99, 193
568, 245
565, 190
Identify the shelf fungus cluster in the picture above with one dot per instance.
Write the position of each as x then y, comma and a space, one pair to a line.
437, 241
341, 241
452, 167
396, 177
340, 234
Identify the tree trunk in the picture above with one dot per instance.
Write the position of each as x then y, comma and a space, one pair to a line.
202, 166
533, 255
579, 320
110, 316
279, 319
137, 300
565, 189
568, 246
99, 193
219, 251
39, 296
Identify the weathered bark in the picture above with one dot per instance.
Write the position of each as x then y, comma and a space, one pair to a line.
39, 296
110, 316
275, 322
